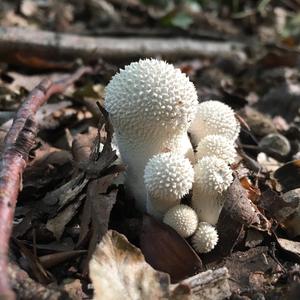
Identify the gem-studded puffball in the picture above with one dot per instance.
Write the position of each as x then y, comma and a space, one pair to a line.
217, 145
212, 175
214, 117
212, 178
205, 238
149, 98
168, 177
183, 219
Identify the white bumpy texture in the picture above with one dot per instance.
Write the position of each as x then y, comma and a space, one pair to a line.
205, 238
212, 178
168, 177
183, 219
214, 117
151, 104
217, 145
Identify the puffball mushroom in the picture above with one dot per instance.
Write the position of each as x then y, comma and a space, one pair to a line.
214, 117
151, 104
212, 178
205, 238
183, 219
217, 145
168, 177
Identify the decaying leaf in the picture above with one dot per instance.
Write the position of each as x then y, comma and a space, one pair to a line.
58, 223
290, 246
243, 265
289, 175
280, 206
167, 251
118, 271
97, 210
50, 260
242, 209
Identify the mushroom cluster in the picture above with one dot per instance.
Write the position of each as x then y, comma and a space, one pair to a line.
153, 106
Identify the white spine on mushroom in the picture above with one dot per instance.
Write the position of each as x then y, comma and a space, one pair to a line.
183, 219
214, 117
205, 238
217, 145
168, 177
212, 178
151, 105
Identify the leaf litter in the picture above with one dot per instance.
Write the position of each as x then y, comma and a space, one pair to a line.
70, 197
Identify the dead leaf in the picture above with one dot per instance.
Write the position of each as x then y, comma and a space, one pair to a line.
279, 206
242, 209
57, 224
242, 266
167, 251
289, 175
290, 246
118, 271
51, 260
98, 209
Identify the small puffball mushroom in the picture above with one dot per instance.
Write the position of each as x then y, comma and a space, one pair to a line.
151, 104
205, 238
168, 177
212, 178
217, 145
183, 219
214, 117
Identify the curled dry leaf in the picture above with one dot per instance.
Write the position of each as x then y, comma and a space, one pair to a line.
280, 206
292, 247
289, 175
167, 251
242, 209
118, 271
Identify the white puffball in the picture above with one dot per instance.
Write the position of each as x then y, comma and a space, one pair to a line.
150, 98
212, 175
214, 117
168, 176
183, 219
217, 145
205, 238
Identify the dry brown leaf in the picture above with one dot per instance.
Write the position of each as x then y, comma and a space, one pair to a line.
289, 175
167, 251
119, 272
290, 246
242, 209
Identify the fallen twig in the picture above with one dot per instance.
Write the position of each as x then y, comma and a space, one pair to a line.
17, 45
17, 144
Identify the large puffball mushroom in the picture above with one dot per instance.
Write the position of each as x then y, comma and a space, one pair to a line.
168, 177
151, 104
214, 117
183, 219
151, 98
213, 176
217, 145
205, 238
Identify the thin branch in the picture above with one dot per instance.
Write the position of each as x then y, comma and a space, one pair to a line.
17, 45
18, 142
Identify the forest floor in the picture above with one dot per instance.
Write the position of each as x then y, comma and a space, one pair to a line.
245, 55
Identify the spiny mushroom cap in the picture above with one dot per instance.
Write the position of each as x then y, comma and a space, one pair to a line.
214, 117
205, 238
212, 175
150, 97
217, 145
183, 219
168, 177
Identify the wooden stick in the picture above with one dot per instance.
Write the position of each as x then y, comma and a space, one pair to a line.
209, 285
17, 43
